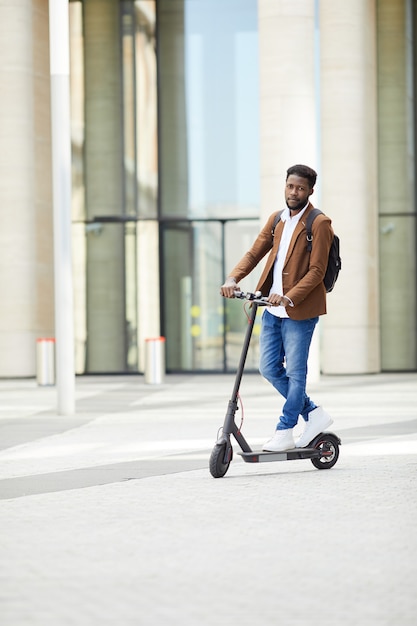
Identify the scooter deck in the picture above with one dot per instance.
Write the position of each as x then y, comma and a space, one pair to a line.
259, 456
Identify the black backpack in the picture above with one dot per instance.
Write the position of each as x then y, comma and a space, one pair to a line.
334, 264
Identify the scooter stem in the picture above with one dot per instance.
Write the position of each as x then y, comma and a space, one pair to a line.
229, 426
244, 354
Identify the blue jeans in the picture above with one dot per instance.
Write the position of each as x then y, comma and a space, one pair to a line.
284, 338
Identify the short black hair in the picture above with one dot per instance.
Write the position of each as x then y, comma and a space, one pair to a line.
305, 172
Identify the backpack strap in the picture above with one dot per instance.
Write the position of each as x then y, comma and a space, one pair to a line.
276, 220
309, 223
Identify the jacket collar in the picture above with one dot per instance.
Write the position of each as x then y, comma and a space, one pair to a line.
285, 215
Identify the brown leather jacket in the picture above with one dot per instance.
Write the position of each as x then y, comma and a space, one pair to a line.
303, 272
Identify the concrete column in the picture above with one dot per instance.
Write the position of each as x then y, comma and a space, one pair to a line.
289, 106
287, 94
26, 240
42, 154
349, 181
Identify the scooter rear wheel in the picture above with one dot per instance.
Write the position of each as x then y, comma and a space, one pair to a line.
218, 466
329, 450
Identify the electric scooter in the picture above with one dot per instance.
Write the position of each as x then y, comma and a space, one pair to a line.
323, 450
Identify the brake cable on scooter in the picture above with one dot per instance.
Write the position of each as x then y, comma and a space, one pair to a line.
248, 302
245, 309
239, 397
243, 413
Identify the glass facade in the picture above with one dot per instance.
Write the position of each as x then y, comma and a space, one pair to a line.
209, 96
165, 139
397, 204
209, 156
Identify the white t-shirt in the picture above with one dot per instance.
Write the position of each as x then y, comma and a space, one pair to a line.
289, 226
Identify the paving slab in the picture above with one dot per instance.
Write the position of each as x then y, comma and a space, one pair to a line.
113, 518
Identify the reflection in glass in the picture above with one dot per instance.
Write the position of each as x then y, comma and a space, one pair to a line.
209, 108
194, 314
115, 176
140, 107
239, 237
78, 189
208, 119
146, 107
128, 81
209, 155
131, 311
194, 310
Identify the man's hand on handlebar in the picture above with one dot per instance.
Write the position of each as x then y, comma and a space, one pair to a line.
228, 289
276, 300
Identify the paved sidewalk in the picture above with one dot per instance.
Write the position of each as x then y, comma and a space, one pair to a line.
112, 517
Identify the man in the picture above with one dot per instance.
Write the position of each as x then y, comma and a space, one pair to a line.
293, 282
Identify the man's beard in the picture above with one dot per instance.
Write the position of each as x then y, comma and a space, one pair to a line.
296, 207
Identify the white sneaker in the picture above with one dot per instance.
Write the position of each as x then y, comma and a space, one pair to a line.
281, 441
318, 420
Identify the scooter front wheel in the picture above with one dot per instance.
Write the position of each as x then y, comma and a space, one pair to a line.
220, 459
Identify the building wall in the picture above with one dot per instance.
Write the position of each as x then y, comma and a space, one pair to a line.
26, 241
287, 93
349, 171
336, 92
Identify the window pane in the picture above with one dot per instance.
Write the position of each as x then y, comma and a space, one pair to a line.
139, 107
146, 108
128, 81
209, 108
193, 307
239, 237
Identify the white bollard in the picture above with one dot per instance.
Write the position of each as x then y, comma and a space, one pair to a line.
155, 360
45, 361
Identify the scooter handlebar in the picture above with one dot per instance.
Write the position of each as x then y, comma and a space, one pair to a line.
252, 297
